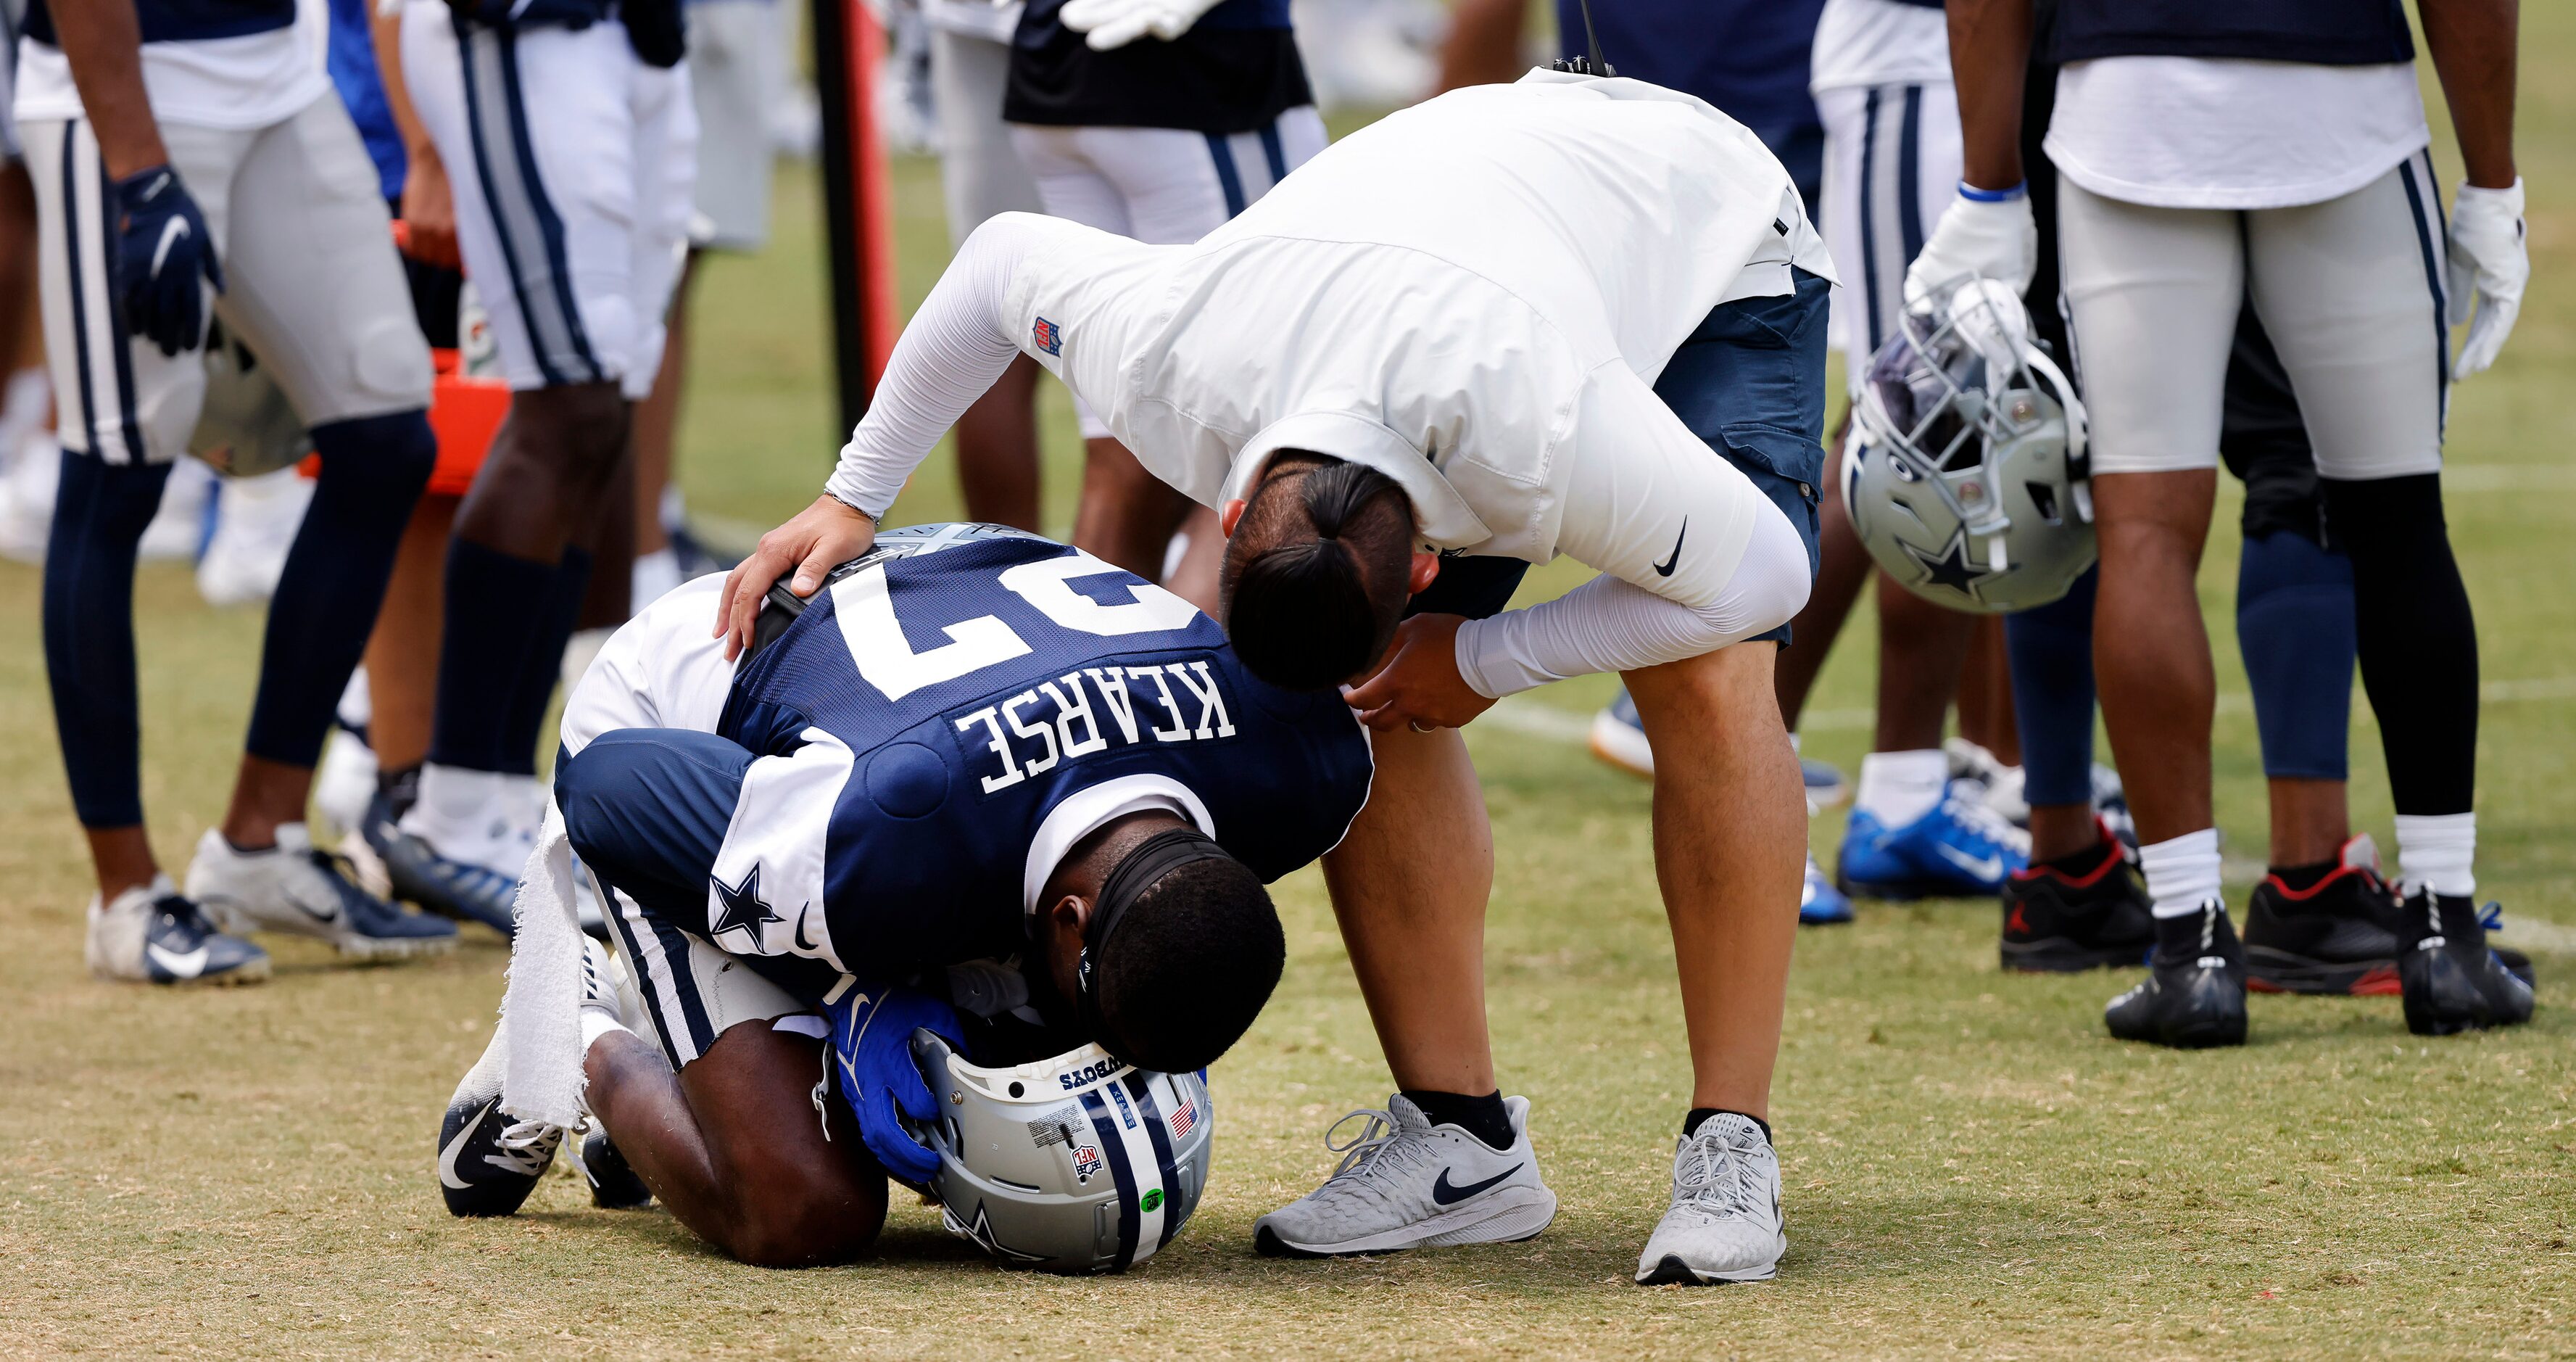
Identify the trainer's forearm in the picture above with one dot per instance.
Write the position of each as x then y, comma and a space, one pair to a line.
1989, 61
104, 43
2474, 48
384, 30
954, 349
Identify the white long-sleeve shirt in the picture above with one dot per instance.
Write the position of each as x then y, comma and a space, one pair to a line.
1475, 297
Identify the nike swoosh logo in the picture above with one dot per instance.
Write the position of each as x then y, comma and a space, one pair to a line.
1665, 568
187, 966
172, 233
1985, 869
447, 1155
801, 943
325, 916
1447, 1195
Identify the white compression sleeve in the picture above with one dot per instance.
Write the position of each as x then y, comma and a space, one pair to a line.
956, 346
1609, 625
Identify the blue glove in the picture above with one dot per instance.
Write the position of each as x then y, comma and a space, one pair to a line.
872, 1046
162, 250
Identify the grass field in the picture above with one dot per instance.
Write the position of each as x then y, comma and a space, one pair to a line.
1972, 1167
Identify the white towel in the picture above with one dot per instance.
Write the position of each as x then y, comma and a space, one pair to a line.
543, 1079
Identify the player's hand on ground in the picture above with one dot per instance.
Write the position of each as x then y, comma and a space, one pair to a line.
1116, 23
2490, 260
1419, 687
429, 212
164, 256
872, 1050
1990, 240
821, 537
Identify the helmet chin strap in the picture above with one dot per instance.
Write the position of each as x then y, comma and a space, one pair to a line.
1136, 873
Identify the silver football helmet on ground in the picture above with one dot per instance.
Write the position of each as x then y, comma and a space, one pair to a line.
1966, 475
1080, 1163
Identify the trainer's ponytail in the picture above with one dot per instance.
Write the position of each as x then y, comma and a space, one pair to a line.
1302, 613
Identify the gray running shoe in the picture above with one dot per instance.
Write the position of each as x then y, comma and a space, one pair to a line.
1406, 1183
1725, 1223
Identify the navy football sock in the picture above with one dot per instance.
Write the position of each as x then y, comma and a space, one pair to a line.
99, 515
2294, 625
1483, 1117
372, 471
2051, 654
543, 666
2419, 659
497, 607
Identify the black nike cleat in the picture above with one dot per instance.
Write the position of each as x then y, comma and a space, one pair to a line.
2336, 937
2056, 923
613, 1183
2450, 980
487, 1161
2194, 994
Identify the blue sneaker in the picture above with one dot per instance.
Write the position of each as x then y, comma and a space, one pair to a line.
1620, 739
1820, 904
1960, 849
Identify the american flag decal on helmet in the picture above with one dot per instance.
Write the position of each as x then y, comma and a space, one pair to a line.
1049, 336
1184, 1117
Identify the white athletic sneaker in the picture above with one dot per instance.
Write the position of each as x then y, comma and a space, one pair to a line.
1725, 1223
291, 887
151, 935
1406, 1183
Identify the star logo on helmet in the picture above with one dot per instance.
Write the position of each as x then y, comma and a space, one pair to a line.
1952, 569
742, 909
981, 1231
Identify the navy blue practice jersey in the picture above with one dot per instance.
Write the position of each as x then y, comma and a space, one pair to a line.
978, 678
178, 21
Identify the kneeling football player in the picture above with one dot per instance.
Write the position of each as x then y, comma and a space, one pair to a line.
981, 772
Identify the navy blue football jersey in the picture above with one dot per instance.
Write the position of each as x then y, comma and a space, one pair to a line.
980, 677
175, 21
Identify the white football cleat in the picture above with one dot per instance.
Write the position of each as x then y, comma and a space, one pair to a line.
291, 887
151, 935
1725, 1223
1406, 1183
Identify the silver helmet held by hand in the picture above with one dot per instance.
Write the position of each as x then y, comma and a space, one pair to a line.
1966, 476
1080, 1163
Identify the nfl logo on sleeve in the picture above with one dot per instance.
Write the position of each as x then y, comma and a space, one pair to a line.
1049, 336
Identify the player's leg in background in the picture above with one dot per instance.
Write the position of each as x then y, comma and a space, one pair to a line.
113, 466
997, 437
2295, 626
319, 294
2351, 292
731, 1141
737, 59
571, 191
2153, 294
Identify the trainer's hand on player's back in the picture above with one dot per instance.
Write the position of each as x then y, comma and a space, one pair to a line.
821, 537
428, 211
1419, 687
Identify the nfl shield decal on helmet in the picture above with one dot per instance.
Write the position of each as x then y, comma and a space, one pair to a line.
1086, 1162
1049, 336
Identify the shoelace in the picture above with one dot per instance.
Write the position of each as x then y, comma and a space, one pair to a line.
525, 1148
1362, 1150
1716, 1175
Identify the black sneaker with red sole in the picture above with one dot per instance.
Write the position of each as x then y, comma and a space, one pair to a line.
2057, 923
2338, 937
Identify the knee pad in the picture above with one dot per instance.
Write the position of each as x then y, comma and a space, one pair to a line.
2296, 631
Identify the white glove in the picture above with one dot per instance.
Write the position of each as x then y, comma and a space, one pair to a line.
1116, 23
2487, 250
1974, 237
